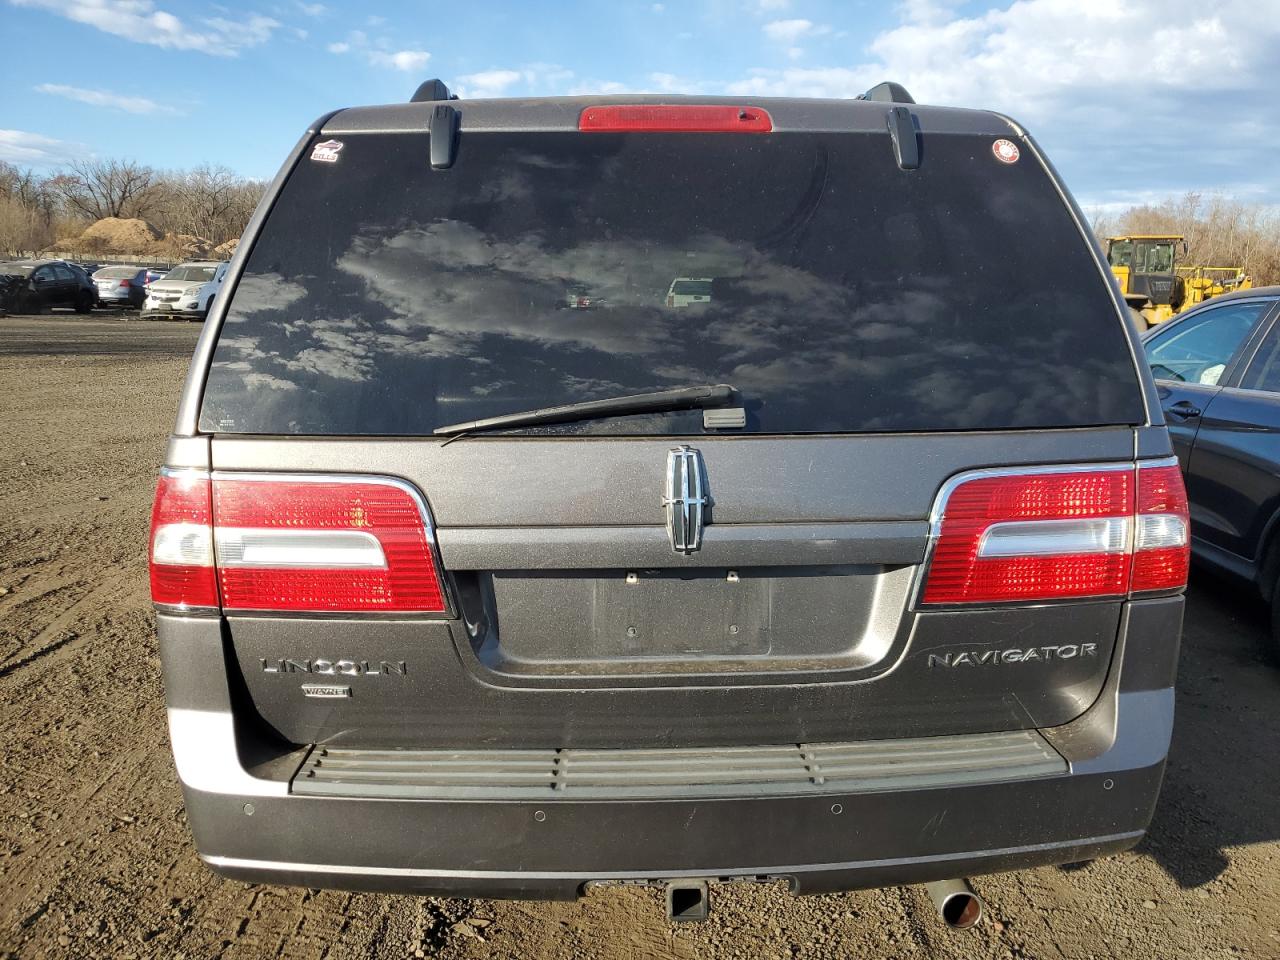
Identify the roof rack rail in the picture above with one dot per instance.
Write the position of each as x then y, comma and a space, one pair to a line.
430, 90
887, 92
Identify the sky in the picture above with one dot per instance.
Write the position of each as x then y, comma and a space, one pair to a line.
1133, 100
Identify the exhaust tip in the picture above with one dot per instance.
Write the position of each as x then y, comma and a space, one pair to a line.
958, 905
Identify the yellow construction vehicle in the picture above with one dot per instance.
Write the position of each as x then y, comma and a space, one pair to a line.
1155, 286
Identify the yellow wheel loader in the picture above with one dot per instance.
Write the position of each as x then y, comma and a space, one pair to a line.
1153, 284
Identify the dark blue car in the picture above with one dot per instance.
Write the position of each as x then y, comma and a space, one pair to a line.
1217, 371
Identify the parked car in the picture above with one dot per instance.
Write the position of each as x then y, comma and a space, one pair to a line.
852, 577
687, 290
121, 286
186, 291
38, 285
579, 296
1217, 370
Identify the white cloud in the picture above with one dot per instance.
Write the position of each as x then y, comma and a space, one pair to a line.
787, 31
36, 150
141, 22
487, 83
105, 98
658, 7
407, 60
589, 88
312, 9
379, 53
534, 79
1067, 68
1036, 56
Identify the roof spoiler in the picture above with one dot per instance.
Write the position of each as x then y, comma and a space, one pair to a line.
431, 90
887, 92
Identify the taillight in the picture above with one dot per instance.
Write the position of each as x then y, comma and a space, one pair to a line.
181, 559
1059, 533
125, 284
675, 118
1161, 541
320, 543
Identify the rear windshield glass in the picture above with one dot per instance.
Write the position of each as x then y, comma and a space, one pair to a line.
835, 291
115, 273
191, 273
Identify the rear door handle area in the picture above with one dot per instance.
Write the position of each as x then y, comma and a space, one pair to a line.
1183, 410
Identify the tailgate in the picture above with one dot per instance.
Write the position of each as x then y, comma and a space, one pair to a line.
578, 624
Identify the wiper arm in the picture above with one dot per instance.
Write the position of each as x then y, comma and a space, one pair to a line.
682, 398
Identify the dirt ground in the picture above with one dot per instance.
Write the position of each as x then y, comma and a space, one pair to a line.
96, 859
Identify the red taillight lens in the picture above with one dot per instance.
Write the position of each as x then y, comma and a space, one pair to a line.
1033, 537
1162, 545
1055, 535
125, 284
679, 118
324, 544
181, 557
320, 544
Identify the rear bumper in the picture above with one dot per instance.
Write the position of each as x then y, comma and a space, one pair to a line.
154, 313
251, 824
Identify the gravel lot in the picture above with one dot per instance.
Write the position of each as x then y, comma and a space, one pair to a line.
96, 860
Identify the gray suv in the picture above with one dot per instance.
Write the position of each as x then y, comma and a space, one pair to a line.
864, 568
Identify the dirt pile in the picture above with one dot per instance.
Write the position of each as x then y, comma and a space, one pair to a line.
186, 246
138, 238
118, 235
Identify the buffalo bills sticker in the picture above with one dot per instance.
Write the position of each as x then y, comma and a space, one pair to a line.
326, 152
1006, 151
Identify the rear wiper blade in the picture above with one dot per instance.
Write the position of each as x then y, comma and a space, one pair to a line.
682, 398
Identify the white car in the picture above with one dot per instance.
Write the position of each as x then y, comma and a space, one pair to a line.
186, 291
686, 290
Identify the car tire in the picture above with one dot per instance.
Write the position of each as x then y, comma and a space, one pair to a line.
84, 303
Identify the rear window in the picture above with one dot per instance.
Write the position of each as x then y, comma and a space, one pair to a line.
115, 273
837, 292
192, 274
692, 288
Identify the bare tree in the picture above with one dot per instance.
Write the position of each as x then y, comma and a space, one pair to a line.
28, 210
210, 202
107, 188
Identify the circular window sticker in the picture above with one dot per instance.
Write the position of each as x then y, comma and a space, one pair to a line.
1006, 151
